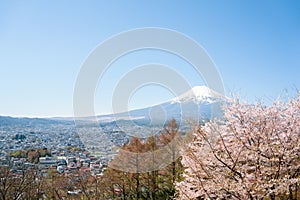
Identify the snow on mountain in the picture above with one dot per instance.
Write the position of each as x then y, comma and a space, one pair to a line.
199, 94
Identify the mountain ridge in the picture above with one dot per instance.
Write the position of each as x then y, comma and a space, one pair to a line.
198, 98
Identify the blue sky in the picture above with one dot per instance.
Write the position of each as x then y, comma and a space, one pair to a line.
255, 46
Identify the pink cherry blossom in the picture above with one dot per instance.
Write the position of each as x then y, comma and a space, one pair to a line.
253, 153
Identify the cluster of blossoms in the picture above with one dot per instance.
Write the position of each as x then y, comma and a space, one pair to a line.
253, 153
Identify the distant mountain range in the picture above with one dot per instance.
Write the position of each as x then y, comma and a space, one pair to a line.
199, 103
25, 121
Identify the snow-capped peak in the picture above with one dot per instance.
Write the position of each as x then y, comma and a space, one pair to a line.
199, 94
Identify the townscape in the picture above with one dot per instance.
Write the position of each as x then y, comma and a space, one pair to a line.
46, 153
64, 151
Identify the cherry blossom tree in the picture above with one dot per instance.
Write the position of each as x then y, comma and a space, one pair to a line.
253, 153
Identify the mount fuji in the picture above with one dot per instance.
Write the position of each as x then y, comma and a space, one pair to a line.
199, 103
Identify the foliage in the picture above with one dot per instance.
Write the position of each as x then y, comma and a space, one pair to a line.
22, 185
32, 155
155, 184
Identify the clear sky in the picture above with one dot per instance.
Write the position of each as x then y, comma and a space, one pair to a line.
255, 45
